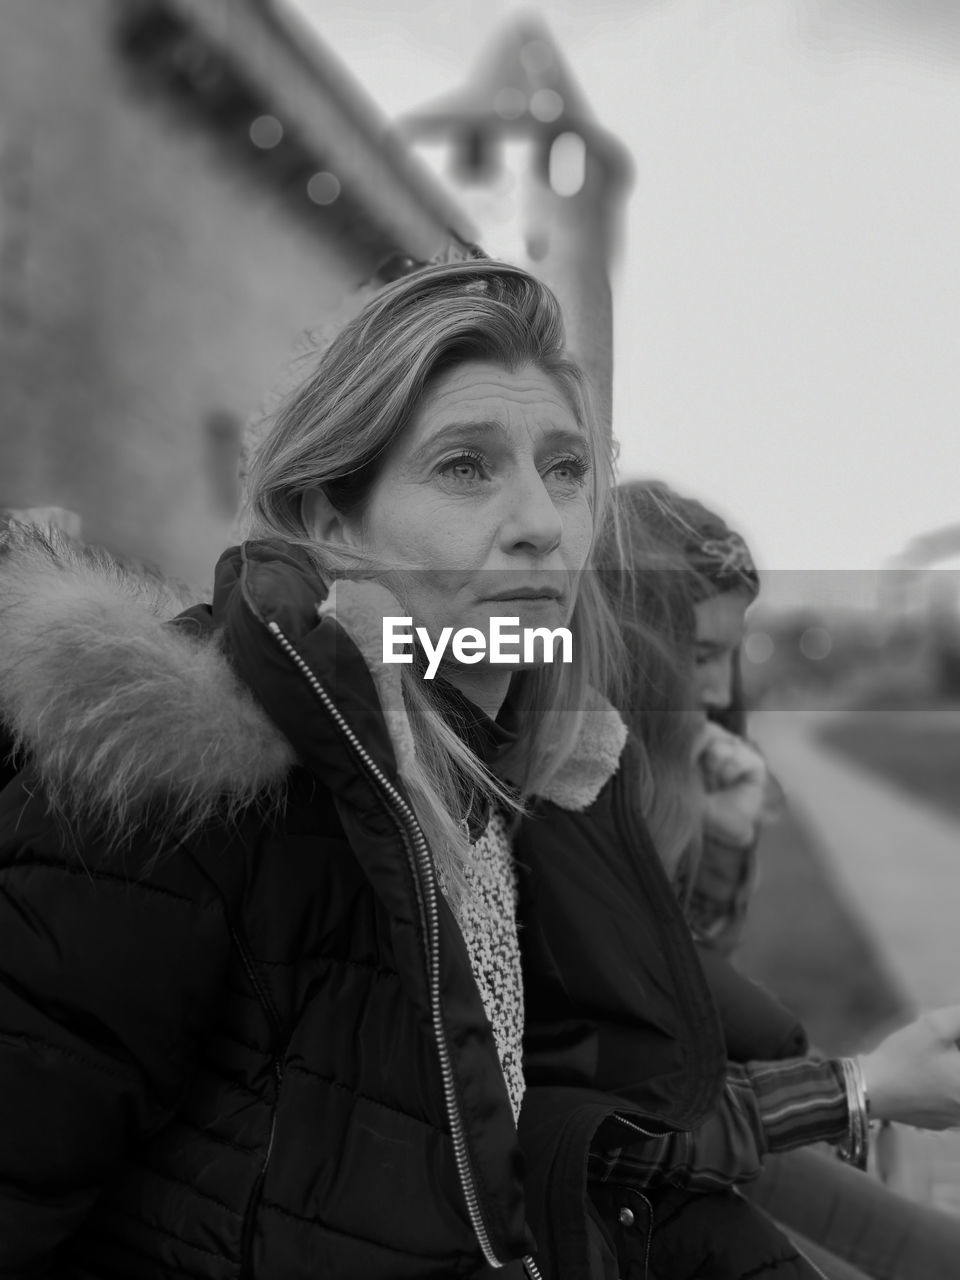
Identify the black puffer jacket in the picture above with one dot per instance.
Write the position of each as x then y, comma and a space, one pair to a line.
617, 1003
239, 1034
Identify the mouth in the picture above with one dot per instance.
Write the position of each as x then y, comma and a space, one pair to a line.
527, 593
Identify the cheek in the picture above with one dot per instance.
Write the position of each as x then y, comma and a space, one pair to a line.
439, 555
577, 534
380, 528
403, 531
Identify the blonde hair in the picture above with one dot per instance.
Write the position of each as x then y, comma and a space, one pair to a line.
333, 431
647, 583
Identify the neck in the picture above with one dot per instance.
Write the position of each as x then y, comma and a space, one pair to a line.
486, 689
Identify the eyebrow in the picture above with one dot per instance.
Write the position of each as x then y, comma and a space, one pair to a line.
466, 433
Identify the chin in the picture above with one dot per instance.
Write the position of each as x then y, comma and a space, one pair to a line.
541, 613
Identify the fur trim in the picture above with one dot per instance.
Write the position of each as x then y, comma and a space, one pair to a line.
122, 715
594, 761
126, 716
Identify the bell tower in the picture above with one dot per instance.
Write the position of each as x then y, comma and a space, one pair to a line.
544, 183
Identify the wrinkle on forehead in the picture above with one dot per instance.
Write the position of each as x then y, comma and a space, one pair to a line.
477, 384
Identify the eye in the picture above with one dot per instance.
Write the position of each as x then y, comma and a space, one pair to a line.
467, 467
571, 470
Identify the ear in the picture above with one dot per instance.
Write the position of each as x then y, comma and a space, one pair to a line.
325, 522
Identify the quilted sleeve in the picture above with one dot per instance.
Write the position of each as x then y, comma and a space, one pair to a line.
107, 978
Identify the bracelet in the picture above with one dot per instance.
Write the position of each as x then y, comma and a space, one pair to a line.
856, 1148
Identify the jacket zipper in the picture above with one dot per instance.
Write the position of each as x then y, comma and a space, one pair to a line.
647, 1133
421, 864
614, 1155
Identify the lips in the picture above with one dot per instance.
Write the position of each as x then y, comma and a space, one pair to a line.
528, 593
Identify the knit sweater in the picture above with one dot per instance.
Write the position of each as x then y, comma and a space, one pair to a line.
488, 921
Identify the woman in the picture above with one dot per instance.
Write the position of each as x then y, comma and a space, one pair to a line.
261, 1005
261, 1009
699, 584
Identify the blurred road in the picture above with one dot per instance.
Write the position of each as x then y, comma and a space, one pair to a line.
896, 861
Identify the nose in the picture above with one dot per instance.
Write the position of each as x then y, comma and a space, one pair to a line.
714, 697
531, 522
713, 685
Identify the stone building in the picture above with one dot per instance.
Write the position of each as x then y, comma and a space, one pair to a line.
185, 186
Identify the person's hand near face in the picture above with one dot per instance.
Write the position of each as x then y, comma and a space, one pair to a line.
735, 779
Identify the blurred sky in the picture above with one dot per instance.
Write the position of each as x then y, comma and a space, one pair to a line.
788, 299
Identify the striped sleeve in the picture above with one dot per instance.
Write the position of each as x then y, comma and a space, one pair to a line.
800, 1100
764, 1107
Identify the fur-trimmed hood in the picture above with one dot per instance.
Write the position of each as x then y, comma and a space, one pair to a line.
122, 713
114, 708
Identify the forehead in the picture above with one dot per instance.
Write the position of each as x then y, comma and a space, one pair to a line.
481, 391
720, 619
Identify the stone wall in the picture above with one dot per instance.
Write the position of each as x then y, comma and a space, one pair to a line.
155, 272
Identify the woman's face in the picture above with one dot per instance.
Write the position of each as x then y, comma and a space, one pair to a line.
485, 497
720, 624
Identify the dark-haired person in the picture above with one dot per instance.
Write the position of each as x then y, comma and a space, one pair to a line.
706, 580
694, 580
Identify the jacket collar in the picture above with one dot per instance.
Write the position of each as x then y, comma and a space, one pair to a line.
123, 714
488, 739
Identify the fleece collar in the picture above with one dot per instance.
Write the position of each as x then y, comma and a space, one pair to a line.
594, 760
